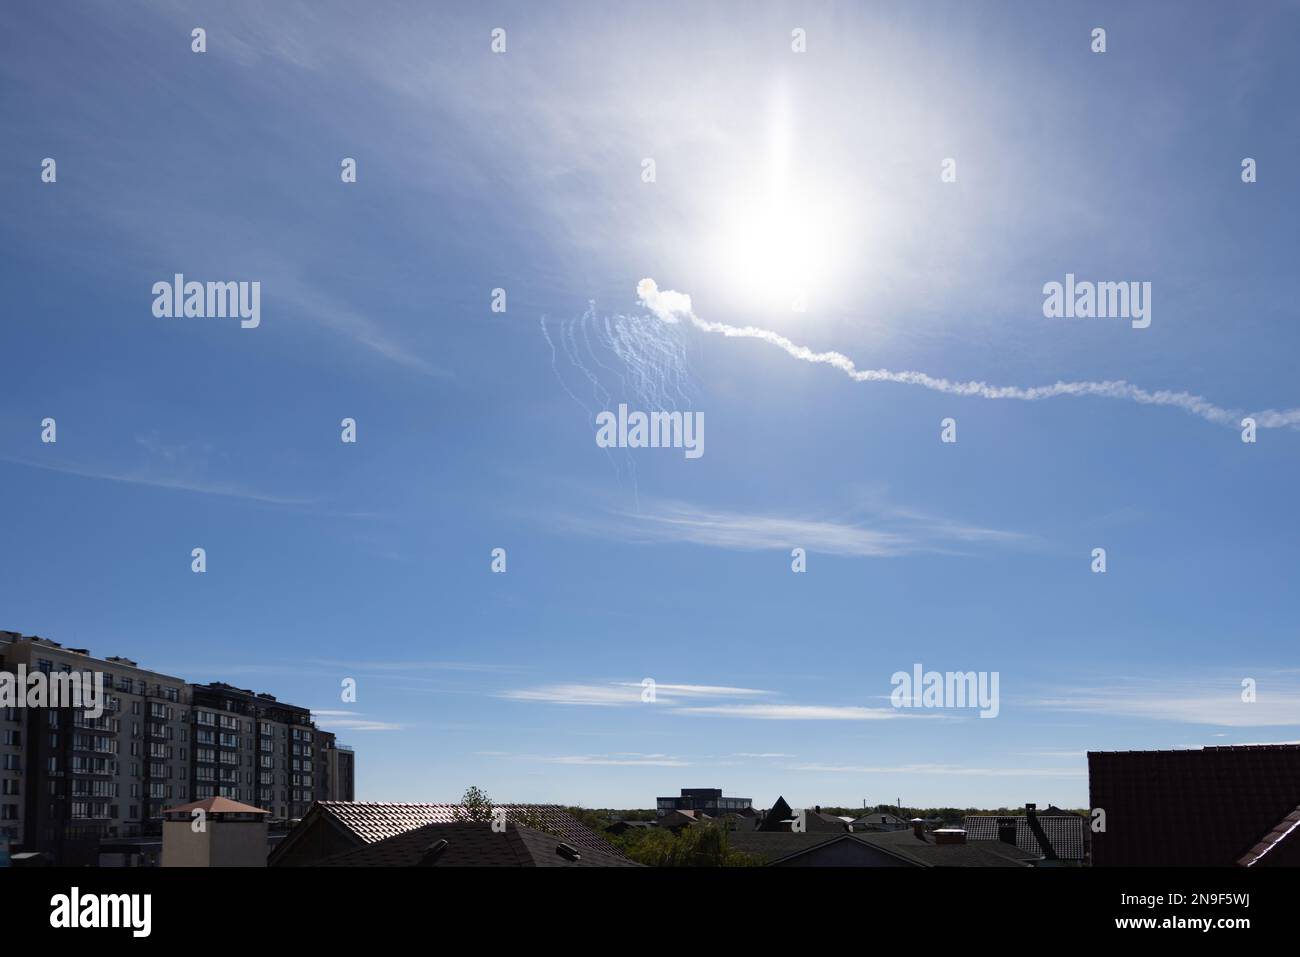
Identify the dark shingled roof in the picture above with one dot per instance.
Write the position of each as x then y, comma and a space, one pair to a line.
771, 846
1068, 833
1208, 807
475, 844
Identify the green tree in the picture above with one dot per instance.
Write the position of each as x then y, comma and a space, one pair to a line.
475, 805
700, 845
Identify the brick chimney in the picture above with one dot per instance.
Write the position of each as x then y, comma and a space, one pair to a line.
950, 835
918, 827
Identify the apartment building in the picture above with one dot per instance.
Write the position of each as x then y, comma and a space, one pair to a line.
69, 783
249, 747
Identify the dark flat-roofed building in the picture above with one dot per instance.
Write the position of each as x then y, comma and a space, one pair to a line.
703, 801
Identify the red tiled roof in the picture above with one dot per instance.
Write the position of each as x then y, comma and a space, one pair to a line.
1206, 807
216, 805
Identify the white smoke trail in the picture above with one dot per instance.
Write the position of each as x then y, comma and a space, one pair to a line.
673, 307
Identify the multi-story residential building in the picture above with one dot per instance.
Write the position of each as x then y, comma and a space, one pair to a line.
249, 747
78, 780
69, 782
342, 773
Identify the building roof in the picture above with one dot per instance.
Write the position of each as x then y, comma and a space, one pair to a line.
774, 846
475, 844
216, 805
1068, 833
1275, 842
370, 822
1216, 806
925, 851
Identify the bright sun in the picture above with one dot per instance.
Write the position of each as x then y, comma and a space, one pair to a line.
779, 243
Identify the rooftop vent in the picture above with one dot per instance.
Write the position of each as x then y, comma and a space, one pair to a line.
433, 852
568, 852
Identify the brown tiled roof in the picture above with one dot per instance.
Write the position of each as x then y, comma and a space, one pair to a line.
216, 805
1206, 807
475, 844
373, 821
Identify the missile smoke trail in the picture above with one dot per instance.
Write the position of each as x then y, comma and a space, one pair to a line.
673, 307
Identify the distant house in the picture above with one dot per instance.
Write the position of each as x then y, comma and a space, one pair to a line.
622, 827
879, 821
781, 818
1060, 835
908, 848
676, 820
1218, 806
476, 844
332, 828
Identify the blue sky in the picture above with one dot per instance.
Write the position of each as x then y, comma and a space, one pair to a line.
523, 171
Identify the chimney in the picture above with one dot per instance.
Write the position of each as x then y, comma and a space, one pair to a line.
1007, 830
918, 827
817, 809
950, 835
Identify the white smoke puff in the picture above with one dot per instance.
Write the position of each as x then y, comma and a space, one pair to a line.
667, 305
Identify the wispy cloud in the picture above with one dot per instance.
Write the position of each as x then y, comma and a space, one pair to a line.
797, 712
353, 721
616, 693
941, 769
1210, 701
620, 760
889, 533
144, 476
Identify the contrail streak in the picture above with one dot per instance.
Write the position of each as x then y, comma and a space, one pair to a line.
673, 307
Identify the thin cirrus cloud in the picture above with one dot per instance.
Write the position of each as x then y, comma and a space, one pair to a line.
941, 769
620, 760
796, 712
615, 693
893, 533
354, 721
1210, 701
159, 480
701, 700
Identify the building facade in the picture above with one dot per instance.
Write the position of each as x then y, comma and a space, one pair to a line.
70, 782
703, 801
249, 747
